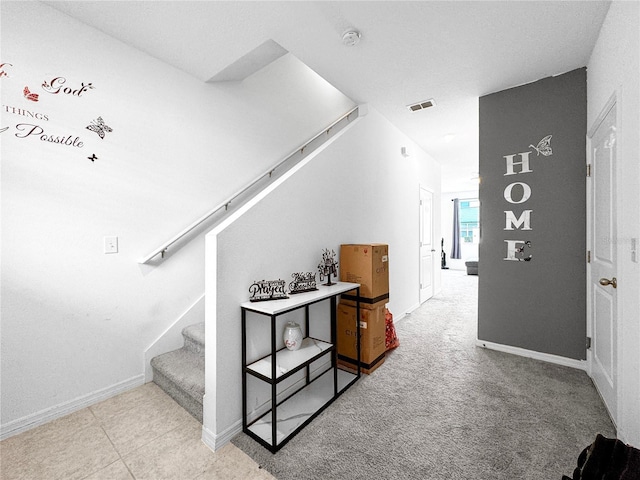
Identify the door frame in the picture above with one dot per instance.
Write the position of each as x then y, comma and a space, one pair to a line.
613, 101
420, 229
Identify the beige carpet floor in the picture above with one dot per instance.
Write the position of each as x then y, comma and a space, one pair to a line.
442, 408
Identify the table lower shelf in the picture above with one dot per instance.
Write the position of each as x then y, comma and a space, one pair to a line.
301, 407
289, 360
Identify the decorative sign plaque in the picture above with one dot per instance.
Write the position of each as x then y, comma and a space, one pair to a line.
267, 290
303, 282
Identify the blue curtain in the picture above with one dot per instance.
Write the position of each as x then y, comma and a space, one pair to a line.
455, 249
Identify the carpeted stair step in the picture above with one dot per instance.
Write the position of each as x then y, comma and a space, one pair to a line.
180, 374
194, 338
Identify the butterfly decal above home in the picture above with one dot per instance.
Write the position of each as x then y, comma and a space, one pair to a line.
544, 146
93, 157
30, 96
99, 127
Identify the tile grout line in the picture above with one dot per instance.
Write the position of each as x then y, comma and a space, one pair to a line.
140, 447
113, 445
120, 456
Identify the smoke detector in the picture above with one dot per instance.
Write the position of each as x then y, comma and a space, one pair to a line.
421, 105
350, 38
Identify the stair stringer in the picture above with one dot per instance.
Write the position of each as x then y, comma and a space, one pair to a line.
213, 438
171, 338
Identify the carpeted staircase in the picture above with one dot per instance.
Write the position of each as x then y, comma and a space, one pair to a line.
180, 373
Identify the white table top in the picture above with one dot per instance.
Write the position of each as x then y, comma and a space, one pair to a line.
274, 307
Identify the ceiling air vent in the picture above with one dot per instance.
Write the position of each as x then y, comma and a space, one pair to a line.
421, 105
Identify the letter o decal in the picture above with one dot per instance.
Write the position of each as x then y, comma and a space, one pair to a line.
526, 192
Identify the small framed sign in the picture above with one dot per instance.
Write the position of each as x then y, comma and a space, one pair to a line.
303, 282
267, 290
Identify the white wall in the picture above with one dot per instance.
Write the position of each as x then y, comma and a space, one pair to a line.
614, 67
359, 189
468, 251
75, 322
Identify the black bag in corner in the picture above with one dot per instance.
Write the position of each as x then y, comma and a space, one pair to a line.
607, 459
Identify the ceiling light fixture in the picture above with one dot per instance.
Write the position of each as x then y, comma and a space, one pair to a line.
351, 38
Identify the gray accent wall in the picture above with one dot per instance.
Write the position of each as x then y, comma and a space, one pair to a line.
534, 296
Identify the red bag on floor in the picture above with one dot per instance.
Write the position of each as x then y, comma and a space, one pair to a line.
391, 339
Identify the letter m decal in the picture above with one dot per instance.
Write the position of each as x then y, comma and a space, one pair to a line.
512, 222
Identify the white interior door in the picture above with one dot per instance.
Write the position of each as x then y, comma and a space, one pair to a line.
426, 245
602, 280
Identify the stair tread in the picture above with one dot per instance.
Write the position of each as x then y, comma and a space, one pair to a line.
184, 368
195, 333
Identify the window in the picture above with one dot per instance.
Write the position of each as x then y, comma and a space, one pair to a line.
469, 220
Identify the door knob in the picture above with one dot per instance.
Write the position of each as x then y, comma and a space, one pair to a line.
613, 282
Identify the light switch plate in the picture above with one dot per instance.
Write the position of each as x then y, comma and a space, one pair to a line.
110, 244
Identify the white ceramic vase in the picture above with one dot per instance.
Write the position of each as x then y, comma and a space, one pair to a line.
292, 336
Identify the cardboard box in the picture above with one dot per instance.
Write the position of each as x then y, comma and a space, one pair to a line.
350, 365
372, 333
367, 265
364, 302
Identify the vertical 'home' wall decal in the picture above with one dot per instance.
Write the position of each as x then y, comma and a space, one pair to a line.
516, 248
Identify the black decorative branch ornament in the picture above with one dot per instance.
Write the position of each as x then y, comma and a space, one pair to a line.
328, 266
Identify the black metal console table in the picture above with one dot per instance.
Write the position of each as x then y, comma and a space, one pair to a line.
288, 416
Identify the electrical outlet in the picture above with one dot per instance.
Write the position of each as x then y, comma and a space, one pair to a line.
634, 250
110, 244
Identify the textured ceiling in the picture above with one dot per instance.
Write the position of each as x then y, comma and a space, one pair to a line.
451, 51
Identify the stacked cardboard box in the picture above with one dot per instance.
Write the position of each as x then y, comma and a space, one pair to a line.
367, 265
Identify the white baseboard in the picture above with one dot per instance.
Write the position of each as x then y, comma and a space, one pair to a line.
409, 311
545, 357
209, 439
49, 414
216, 442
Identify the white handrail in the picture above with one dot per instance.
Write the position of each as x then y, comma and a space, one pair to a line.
163, 248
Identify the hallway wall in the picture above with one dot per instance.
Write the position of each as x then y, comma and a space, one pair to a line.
75, 322
532, 164
359, 189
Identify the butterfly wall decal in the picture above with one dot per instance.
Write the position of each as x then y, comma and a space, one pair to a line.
544, 146
29, 96
99, 127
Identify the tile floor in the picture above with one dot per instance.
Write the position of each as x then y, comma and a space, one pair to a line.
139, 434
